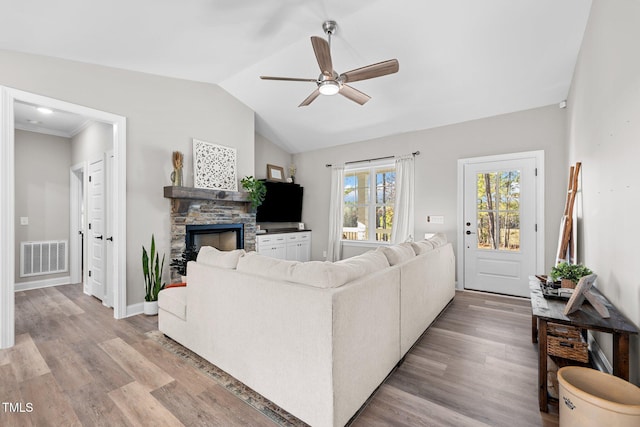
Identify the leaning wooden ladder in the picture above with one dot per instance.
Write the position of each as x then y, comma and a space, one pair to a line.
565, 241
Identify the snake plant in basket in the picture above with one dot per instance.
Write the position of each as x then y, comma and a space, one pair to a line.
152, 270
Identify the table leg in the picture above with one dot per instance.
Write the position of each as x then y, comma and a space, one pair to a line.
621, 355
534, 329
542, 365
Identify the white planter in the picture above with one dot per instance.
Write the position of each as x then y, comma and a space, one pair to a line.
151, 308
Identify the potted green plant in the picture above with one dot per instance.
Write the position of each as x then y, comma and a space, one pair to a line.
256, 189
569, 274
152, 270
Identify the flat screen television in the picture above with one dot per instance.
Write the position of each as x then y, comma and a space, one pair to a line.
283, 203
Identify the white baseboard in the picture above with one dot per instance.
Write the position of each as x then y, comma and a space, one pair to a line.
599, 358
134, 309
37, 284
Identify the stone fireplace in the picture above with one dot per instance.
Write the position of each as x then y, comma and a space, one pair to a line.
209, 217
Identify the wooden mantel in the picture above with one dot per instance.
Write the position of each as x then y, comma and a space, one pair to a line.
182, 196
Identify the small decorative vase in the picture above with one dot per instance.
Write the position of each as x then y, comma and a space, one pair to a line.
176, 177
150, 308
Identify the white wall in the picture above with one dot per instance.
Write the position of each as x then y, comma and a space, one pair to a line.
163, 114
604, 134
436, 168
42, 192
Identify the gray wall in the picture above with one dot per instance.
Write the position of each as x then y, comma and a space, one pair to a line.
91, 142
266, 152
163, 114
42, 192
436, 168
604, 134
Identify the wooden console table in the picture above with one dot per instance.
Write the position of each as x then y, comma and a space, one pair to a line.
551, 310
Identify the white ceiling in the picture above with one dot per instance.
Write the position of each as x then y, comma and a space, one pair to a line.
459, 59
59, 123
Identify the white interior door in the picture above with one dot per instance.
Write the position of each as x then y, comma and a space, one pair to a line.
96, 228
110, 274
500, 225
77, 224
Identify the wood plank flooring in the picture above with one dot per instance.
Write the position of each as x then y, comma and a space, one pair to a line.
76, 365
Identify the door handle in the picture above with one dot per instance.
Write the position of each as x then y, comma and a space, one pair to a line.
110, 239
470, 232
99, 237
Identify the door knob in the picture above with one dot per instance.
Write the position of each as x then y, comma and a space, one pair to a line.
470, 232
110, 239
99, 237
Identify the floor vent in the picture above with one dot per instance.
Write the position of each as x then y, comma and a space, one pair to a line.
46, 257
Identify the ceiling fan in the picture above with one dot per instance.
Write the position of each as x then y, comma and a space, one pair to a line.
329, 81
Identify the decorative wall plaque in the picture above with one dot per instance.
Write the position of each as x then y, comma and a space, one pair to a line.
214, 166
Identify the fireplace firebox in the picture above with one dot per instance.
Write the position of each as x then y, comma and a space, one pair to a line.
225, 237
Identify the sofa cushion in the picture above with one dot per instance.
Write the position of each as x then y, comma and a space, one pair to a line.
321, 274
397, 254
438, 239
362, 265
174, 300
422, 247
223, 259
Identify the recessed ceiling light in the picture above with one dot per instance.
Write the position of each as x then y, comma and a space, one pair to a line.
44, 110
33, 122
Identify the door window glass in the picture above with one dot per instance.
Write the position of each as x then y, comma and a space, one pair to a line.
498, 210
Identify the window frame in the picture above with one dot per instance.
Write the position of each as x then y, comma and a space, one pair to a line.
372, 168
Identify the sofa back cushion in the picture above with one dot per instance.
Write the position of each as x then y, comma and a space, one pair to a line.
438, 239
223, 259
424, 246
397, 254
320, 274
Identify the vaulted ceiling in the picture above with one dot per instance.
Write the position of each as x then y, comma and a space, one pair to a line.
459, 59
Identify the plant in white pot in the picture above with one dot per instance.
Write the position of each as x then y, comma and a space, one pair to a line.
152, 270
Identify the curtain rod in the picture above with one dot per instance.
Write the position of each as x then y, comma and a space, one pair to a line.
415, 153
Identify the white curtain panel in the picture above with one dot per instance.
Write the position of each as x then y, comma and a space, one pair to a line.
402, 229
334, 251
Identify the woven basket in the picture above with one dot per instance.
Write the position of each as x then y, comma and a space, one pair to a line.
566, 342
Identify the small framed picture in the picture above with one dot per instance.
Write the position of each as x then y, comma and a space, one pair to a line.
275, 173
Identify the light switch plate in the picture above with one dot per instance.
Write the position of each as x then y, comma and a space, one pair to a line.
435, 219
24, 220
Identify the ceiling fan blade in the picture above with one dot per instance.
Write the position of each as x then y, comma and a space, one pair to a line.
323, 55
288, 79
370, 71
354, 94
310, 98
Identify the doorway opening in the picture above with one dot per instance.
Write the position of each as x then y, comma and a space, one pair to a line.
116, 269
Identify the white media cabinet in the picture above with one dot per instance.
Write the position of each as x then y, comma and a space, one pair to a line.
294, 246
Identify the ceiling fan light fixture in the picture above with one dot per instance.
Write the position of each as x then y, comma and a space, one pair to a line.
329, 87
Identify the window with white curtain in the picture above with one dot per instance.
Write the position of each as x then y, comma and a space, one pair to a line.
369, 194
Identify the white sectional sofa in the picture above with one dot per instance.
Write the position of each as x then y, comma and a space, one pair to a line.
315, 338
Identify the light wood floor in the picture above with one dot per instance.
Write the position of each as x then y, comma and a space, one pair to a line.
76, 365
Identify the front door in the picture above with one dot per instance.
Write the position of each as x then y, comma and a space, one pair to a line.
96, 219
500, 225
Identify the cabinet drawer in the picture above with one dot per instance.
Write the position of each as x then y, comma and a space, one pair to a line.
274, 238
